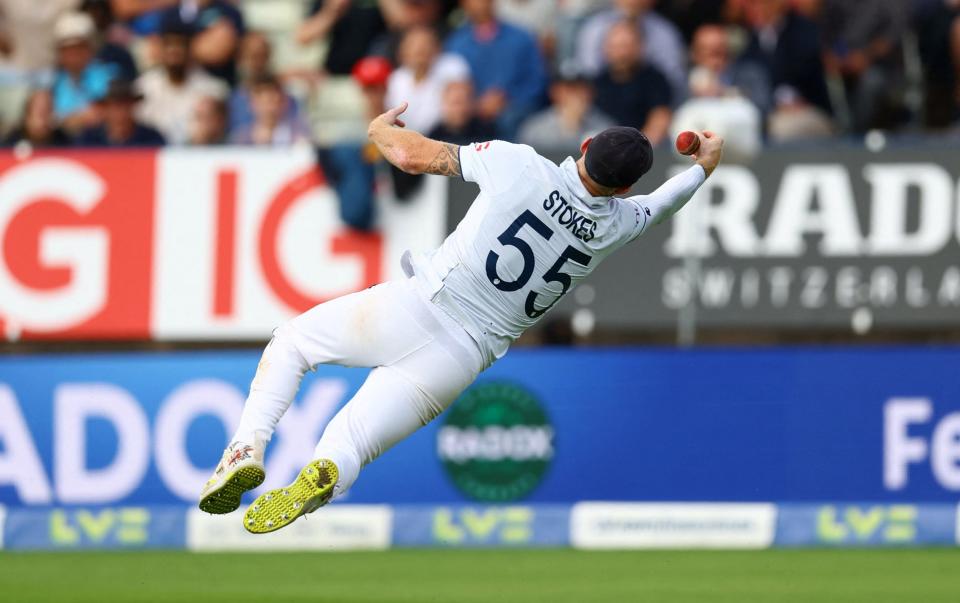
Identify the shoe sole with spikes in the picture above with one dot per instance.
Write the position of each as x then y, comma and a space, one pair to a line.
226, 497
280, 507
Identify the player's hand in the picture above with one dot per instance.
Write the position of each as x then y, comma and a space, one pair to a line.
710, 152
392, 116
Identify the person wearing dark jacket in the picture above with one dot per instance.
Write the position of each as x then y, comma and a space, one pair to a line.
787, 46
120, 128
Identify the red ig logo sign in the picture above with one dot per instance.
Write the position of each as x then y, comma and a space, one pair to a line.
61, 228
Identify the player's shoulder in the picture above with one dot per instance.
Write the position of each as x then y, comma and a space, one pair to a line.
497, 165
502, 153
631, 216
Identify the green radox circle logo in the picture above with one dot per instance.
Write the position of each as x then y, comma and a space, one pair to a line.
496, 442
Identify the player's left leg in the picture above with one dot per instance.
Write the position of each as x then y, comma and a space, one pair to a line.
393, 402
386, 409
369, 328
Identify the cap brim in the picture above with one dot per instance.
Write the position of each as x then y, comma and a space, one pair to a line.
73, 40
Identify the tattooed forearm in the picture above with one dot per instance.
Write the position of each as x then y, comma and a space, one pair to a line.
447, 161
412, 152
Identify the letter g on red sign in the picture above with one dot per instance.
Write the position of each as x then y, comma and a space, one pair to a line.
71, 229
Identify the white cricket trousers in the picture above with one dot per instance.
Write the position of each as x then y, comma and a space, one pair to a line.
421, 358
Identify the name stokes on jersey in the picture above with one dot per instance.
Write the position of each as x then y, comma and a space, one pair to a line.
567, 216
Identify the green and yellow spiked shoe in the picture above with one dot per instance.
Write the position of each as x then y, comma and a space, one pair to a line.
278, 508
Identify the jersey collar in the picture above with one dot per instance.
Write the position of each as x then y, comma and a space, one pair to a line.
572, 177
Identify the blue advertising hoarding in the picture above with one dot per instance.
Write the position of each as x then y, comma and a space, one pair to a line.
545, 426
865, 524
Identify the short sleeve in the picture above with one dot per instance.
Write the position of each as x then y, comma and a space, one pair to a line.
495, 165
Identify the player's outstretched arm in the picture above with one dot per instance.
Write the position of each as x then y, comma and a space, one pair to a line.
410, 151
677, 191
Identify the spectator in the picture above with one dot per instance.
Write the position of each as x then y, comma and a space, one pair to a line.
718, 96
27, 38
690, 15
253, 63
422, 76
570, 120
629, 90
120, 128
39, 127
714, 73
787, 47
109, 52
80, 80
505, 64
350, 166
372, 75
863, 49
272, 124
536, 16
142, 16
172, 90
403, 15
218, 28
570, 18
458, 123
938, 38
352, 27
209, 123
665, 48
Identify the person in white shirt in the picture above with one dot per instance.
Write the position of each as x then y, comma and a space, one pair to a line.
27, 33
535, 230
172, 90
422, 77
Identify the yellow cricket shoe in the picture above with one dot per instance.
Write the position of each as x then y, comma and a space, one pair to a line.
240, 469
278, 508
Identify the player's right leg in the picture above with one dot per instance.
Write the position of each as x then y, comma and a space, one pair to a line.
240, 469
273, 388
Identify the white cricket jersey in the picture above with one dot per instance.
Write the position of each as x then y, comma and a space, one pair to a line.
530, 236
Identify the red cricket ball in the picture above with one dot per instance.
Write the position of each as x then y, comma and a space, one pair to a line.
688, 143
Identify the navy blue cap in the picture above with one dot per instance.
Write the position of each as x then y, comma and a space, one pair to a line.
618, 157
172, 23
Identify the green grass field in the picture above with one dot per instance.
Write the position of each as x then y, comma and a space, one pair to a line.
449, 576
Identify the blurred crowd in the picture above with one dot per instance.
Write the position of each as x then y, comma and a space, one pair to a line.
124, 73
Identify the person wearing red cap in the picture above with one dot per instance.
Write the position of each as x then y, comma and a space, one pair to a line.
350, 166
372, 71
535, 230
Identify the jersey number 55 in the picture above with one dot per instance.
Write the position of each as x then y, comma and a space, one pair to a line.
510, 238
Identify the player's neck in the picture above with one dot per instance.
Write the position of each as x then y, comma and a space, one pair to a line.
592, 187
